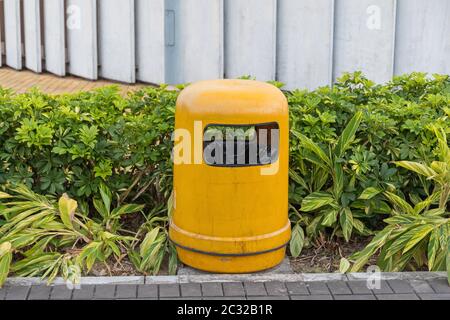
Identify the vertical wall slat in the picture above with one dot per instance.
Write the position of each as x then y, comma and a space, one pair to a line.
250, 38
2, 21
194, 43
423, 36
364, 38
305, 43
81, 29
150, 52
54, 37
13, 41
32, 25
117, 40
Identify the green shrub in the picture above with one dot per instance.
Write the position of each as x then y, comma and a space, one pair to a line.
418, 235
86, 143
395, 125
73, 143
50, 237
104, 150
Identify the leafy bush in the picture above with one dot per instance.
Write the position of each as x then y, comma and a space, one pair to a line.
73, 143
101, 148
416, 235
335, 204
106, 150
395, 125
50, 237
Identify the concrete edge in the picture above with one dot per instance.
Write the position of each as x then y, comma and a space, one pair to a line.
25, 281
418, 275
250, 278
305, 277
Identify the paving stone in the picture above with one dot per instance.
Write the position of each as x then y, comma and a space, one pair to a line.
105, 291
191, 290
25, 80
297, 288
440, 285
276, 288
223, 298
392, 289
183, 298
338, 287
400, 286
85, 292
317, 288
434, 296
126, 291
269, 298
397, 296
3, 293
255, 289
17, 293
146, 291
170, 290
313, 297
39, 292
359, 287
212, 289
61, 292
233, 289
283, 268
383, 289
354, 297
421, 286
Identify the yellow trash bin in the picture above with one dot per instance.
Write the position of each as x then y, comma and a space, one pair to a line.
230, 195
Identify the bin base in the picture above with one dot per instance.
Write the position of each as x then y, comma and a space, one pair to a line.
231, 264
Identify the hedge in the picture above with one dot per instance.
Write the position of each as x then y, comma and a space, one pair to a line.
93, 145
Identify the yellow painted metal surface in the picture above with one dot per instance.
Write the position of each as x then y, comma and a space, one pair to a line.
231, 219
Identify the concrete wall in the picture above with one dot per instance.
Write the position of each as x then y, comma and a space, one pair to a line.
81, 33
54, 37
303, 43
13, 33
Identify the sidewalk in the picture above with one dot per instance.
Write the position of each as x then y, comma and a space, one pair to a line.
395, 286
21, 81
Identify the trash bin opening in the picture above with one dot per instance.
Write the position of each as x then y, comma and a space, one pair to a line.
229, 145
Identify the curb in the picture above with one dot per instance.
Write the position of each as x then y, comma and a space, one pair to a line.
417, 275
303, 277
293, 277
25, 281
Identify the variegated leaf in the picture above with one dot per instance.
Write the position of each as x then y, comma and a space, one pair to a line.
316, 200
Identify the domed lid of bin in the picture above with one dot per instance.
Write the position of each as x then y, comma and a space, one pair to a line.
229, 97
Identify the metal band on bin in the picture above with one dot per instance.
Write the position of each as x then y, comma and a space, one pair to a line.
229, 254
230, 239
